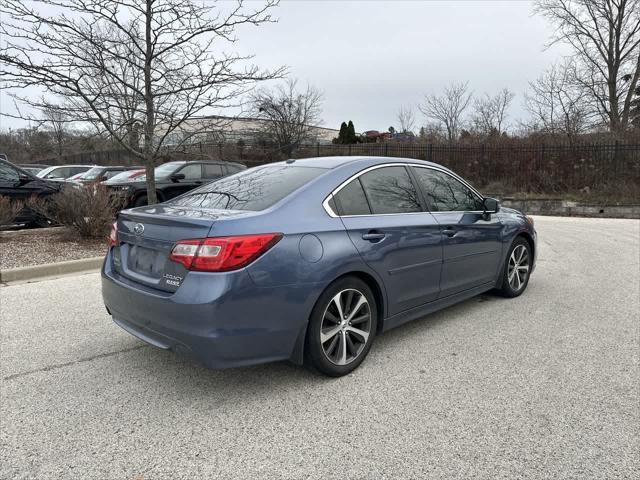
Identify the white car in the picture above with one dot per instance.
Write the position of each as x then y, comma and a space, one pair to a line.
63, 172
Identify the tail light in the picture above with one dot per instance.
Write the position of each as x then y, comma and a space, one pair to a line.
112, 241
222, 254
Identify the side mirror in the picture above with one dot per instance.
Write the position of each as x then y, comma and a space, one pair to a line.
177, 176
491, 205
23, 180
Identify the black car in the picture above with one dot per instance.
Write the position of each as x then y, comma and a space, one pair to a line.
101, 174
33, 168
172, 179
20, 185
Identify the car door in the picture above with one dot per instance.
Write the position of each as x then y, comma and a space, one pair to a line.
387, 222
472, 239
192, 178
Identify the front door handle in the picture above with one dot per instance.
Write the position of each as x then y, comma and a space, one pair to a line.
373, 236
449, 232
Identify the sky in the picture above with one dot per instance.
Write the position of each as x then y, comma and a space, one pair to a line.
370, 57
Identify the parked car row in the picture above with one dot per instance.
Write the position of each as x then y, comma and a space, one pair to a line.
127, 183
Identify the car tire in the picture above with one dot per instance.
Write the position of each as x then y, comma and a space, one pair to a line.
519, 258
336, 347
141, 201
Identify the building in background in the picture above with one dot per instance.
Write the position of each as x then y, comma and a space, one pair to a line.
233, 130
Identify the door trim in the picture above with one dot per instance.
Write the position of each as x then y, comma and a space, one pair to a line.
329, 197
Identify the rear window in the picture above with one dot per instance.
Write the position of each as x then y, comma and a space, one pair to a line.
254, 189
351, 199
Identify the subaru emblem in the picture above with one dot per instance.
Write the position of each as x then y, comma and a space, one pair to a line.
138, 229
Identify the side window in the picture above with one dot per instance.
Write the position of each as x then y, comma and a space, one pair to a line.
193, 171
445, 193
211, 170
8, 175
390, 190
351, 200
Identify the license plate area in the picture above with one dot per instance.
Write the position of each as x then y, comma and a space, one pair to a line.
146, 261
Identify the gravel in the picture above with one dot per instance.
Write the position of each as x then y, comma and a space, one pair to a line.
541, 386
47, 245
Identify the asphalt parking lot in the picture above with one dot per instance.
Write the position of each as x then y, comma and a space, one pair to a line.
542, 386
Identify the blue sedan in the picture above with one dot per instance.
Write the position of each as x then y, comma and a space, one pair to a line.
308, 260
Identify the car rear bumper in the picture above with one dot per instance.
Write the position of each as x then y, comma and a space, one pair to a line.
219, 320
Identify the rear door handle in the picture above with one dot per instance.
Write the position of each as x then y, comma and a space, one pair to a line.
449, 232
373, 236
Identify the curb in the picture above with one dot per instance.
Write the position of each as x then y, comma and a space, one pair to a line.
36, 272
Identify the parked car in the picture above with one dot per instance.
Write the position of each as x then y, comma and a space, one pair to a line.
309, 260
101, 174
20, 185
63, 172
33, 168
172, 179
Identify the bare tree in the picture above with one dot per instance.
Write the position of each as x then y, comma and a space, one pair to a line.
605, 37
172, 66
289, 115
557, 105
406, 119
490, 112
448, 108
57, 119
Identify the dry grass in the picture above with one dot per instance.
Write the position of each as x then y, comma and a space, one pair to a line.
9, 210
88, 211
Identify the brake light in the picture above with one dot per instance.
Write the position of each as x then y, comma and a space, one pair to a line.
112, 241
222, 254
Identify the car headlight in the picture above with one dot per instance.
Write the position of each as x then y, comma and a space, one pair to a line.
530, 220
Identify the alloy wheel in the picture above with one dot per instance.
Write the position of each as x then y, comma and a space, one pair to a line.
518, 267
345, 327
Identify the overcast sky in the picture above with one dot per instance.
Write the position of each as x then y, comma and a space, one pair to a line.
370, 57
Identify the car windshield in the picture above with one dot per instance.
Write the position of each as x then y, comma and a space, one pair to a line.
166, 169
46, 171
92, 173
163, 171
128, 176
254, 189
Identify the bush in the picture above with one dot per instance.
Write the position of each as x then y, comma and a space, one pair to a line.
89, 211
9, 210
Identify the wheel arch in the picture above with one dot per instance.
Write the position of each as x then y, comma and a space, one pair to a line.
378, 292
527, 236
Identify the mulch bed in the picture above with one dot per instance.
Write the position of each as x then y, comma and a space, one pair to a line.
46, 245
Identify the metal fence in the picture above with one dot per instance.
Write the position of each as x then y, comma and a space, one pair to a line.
504, 167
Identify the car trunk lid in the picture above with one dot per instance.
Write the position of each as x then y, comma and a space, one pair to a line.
146, 237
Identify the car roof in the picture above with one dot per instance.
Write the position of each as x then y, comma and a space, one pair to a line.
72, 165
364, 161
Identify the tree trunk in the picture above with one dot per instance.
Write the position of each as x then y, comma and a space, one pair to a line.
150, 114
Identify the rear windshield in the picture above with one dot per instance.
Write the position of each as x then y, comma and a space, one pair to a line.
254, 189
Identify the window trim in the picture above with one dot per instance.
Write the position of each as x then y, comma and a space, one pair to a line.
407, 165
